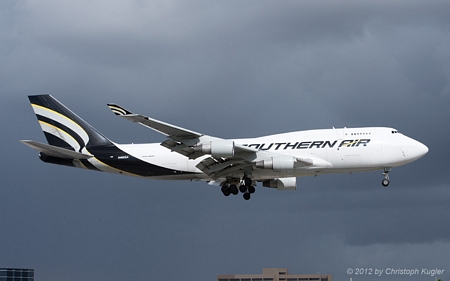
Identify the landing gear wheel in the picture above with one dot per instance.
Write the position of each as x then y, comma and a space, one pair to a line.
251, 189
233, 189
247, 182
225, 190
247, 196
243, 188
385, 182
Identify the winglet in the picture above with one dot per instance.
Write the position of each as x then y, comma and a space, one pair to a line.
118, 110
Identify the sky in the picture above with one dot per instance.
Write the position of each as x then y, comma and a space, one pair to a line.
232, 69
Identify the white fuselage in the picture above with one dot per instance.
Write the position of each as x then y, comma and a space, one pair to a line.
331, 150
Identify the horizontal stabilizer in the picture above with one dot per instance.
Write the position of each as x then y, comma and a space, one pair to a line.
55, 151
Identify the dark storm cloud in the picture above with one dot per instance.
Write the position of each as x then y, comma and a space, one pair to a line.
231, 69
223, 52
363, 217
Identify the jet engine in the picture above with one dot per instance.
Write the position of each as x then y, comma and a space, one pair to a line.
281, 183
278, 163
222, 148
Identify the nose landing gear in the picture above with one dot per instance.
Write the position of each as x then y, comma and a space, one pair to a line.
385, 182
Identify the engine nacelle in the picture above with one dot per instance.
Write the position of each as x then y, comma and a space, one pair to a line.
281, 183
223, 148
279, 163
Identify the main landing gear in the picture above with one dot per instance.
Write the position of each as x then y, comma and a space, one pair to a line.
245, 187
385, 182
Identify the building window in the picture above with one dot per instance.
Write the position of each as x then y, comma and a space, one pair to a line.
16, 274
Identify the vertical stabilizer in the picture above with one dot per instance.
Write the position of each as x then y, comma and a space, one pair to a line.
62, 127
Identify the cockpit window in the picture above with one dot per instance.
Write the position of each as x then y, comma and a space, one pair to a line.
395, 132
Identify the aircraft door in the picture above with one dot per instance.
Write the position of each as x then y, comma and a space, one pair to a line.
340, 133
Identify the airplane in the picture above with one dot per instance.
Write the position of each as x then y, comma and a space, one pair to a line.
236, 165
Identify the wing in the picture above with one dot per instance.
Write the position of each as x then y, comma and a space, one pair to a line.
169, 130
226, 156
247, 159
180, 140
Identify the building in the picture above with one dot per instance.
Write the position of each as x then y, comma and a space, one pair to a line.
16, 274
275, 274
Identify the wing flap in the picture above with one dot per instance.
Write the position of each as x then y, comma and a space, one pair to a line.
217, 167
181, 148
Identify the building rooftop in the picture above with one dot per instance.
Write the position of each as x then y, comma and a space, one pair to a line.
275, 274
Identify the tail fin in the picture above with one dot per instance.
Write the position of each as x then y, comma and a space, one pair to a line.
62, 127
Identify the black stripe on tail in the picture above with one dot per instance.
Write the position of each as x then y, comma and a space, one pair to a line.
62, 127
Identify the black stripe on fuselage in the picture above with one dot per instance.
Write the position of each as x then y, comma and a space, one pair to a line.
116, 158
89, 166
55, 160
63, 128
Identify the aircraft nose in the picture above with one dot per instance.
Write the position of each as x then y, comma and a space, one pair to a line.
422, 149
418, 150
